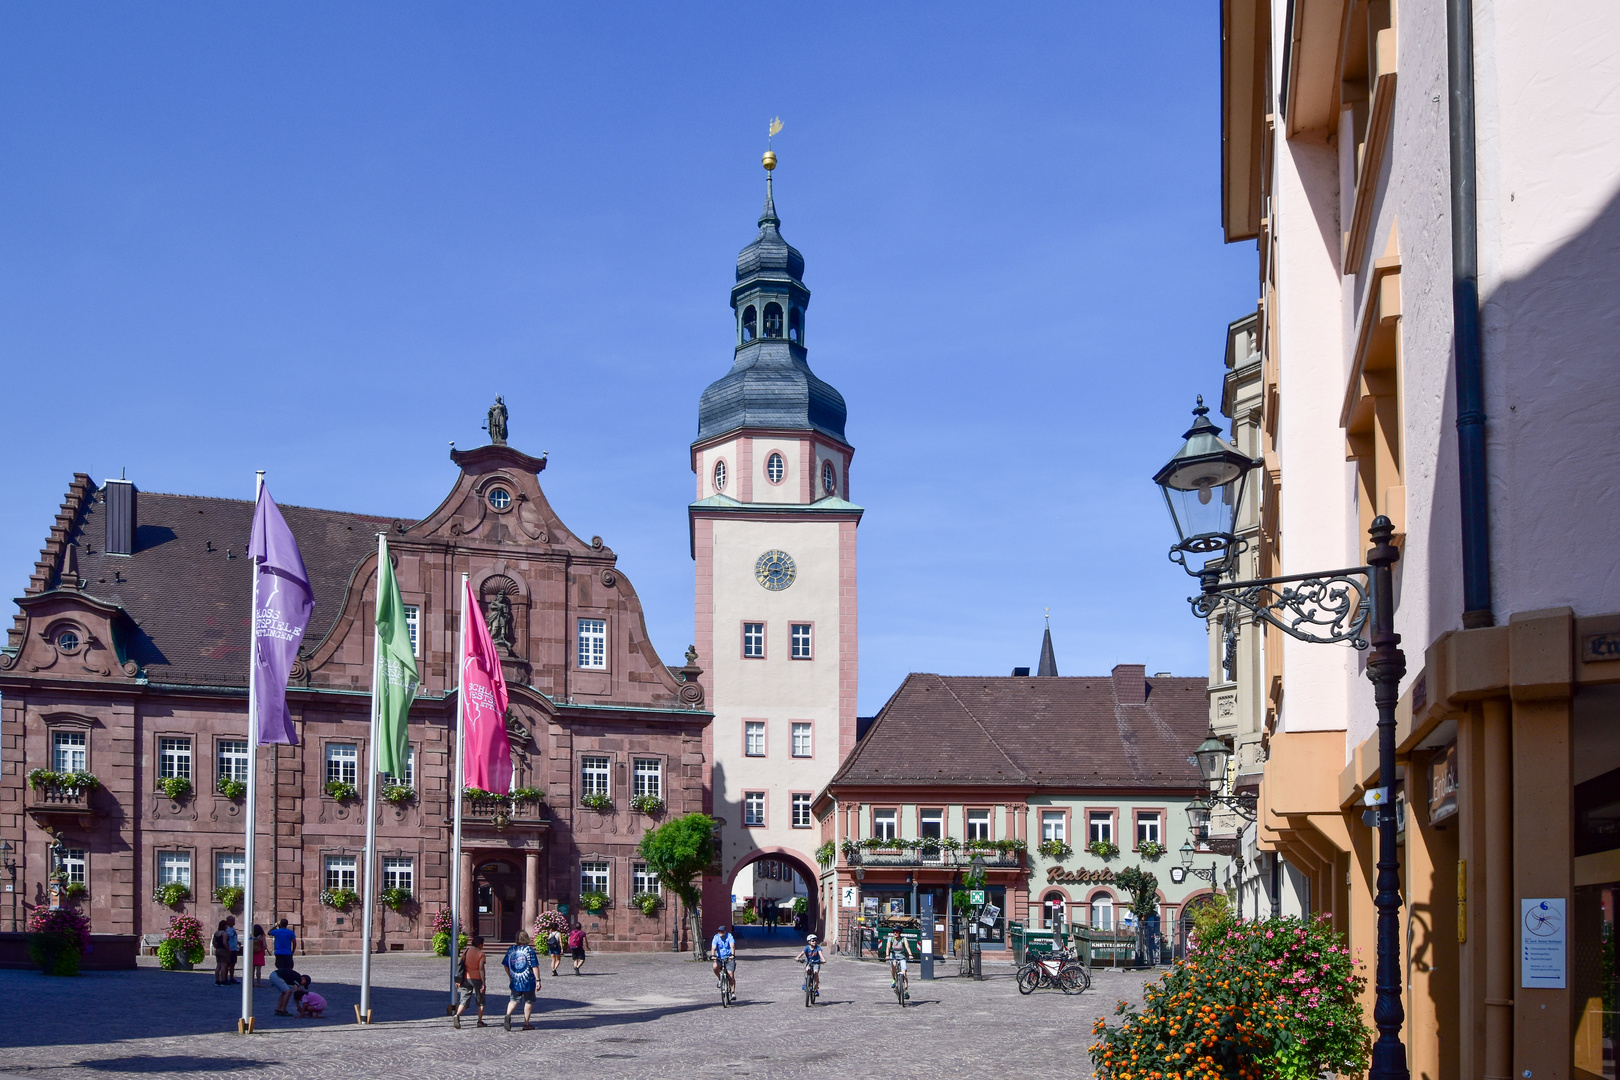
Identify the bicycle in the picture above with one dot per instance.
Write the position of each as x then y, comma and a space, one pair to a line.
901, 983
728, 992
812, 983
1060, 970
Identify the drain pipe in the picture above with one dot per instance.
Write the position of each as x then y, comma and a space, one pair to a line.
1476, 539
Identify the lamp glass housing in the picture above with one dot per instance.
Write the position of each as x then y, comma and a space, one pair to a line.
1186, 854
1212, 755
1203, 489
1198, 814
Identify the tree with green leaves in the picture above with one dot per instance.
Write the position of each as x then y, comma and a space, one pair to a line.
680, 851
1143, 888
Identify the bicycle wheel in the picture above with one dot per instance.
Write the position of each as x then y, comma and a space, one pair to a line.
1029, 977
1071, 981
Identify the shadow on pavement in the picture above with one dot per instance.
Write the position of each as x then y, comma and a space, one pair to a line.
175, 1063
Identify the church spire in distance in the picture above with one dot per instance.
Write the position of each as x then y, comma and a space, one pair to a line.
1048, 657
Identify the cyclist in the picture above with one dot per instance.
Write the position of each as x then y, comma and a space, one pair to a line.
723, 947
895, 953
812, 957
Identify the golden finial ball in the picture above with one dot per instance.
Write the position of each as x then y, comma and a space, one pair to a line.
769, 160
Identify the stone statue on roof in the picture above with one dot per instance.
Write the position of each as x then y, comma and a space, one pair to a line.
497, 422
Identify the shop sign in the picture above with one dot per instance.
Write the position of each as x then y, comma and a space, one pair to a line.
1600, 647
1059, 876
1443, 784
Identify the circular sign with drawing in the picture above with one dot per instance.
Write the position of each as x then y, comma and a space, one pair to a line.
1543, 921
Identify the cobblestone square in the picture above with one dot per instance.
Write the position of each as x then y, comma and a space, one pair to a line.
629, 1015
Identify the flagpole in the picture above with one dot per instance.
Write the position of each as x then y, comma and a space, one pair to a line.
370, 885
244, 1025
460, 777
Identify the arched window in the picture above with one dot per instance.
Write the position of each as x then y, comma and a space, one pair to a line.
773, 320
796, 326
750, 324
720, 476
829, 478
1054, 910
775, 468
1102, 912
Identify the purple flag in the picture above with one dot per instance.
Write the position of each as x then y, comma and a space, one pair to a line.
282, 604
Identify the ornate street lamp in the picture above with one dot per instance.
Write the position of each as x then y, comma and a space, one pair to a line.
1187, 867
1327, 607
1198, 816
1212, 755
6, 853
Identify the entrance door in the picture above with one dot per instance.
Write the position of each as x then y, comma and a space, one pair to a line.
498, 900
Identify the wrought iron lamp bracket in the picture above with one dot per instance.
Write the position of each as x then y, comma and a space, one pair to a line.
1207, 875
1244, 806
1327, 608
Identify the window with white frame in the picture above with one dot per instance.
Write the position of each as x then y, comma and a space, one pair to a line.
593, 644
801, 739
73, 865
409, 779
886, 824
801, 810
978, 824
720, 476
68, 751
1099, 826
649, 777
174, 867
593, 877
1102, 912
753, 808
399, 872
413, 623
1053, 826
801, 641
174, 758
931, 826
775, 468
230, 869
342, 763
1147, 829
754, 639
231, 759
642, 879
593, 775
754, 738
829, 478
340, 872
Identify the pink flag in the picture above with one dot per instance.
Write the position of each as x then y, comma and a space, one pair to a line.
483, 689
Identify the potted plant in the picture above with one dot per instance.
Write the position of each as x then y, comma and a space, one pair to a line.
548, 921
647, 804
341, 790
395, 898
175, 787
647, 902
1056, 849
172, 893
441, 933
1150, 850
1103, 849
57, 937
75, 890
528, 795
397, 794
598, 801
40, 779
593, 902
230, 896
826, 853
339, 899
231, 789
182, 947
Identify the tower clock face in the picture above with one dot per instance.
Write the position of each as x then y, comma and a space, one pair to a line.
775, 570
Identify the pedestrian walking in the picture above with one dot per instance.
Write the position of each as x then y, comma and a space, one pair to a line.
554, 946
259, 942
577, 944
522, 971
283, 940
471, 980
222, 947
234, 942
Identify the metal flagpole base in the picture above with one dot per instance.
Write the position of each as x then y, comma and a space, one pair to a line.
245, 1027
361, 1019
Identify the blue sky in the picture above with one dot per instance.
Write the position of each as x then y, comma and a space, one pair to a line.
318, 240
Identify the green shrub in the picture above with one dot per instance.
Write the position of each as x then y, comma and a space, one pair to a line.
230, 896
441, 942
175, 787
231, 789
57, 937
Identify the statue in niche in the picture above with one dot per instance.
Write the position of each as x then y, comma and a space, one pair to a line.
500, 622
496, 426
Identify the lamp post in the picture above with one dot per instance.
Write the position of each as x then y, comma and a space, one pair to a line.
7, 852
1188, 868
1203, 487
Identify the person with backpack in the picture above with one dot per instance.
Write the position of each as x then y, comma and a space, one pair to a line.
554, 946
577, 944
471, 979
522, 971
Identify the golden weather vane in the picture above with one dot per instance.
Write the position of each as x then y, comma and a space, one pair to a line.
770, 155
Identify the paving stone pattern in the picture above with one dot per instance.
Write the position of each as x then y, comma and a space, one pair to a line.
630, 1015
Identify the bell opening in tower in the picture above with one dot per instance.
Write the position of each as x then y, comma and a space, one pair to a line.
773, 320
750, 324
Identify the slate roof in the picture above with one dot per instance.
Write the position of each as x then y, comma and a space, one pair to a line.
1052, 732
190, 605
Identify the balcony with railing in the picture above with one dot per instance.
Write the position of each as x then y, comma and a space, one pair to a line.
50, 799
519, 810
932, 857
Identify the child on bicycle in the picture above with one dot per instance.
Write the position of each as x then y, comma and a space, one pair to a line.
895, 953
812, 958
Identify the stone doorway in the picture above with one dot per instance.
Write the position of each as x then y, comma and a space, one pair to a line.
498, 899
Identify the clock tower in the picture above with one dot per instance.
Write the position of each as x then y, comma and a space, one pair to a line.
773, 536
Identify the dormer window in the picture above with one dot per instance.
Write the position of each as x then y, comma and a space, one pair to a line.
67, 641
796, 326
720, 476
773, 320
750, 324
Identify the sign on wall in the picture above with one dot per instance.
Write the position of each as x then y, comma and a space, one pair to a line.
1443, 784
1541, 943
848, 896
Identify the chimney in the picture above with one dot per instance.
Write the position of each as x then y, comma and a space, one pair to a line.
1130, 684
1020, 672
120, 511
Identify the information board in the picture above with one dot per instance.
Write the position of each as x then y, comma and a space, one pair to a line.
1541, 943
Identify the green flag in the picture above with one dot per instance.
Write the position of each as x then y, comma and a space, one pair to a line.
396, 682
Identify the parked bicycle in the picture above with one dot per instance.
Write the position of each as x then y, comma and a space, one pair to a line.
1056, 970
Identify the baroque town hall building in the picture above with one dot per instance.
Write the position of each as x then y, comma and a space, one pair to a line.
128, 660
